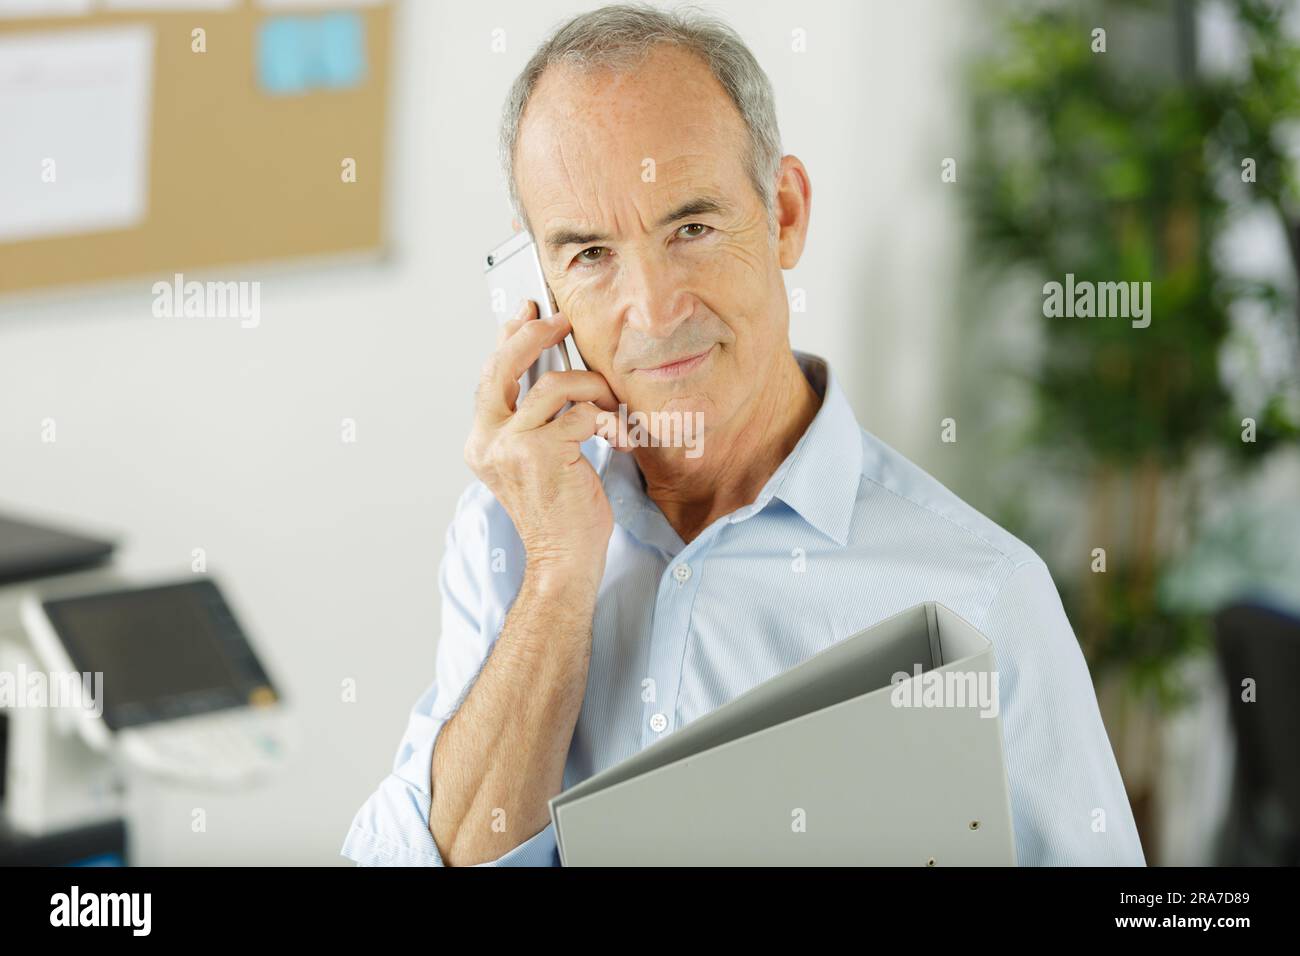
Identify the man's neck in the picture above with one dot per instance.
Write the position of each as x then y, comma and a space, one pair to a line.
692, 493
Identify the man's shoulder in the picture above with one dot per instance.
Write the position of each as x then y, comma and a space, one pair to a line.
475, 504
909, 520
894, 483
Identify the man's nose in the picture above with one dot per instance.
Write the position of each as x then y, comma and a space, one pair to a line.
654, 302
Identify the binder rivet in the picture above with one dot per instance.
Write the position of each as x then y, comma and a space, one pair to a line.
974, 824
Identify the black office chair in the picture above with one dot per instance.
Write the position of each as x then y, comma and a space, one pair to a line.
1262, 827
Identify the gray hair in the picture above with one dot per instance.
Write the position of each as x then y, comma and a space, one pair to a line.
620, 37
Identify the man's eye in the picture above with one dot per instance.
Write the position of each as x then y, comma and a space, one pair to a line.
703, 230
585, 259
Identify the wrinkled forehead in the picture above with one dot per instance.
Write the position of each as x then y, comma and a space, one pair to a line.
610, 148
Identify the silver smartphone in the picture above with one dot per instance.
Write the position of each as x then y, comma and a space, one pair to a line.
514, 274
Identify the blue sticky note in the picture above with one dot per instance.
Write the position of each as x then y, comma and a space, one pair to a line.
340, 50
299, 54
284, 55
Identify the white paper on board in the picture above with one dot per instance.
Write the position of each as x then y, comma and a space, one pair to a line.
75, 110
44, 8
163, 6
287, 5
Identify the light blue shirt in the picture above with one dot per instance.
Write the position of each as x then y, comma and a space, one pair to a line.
846, 533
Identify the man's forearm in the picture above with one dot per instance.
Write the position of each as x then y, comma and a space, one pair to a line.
501, 757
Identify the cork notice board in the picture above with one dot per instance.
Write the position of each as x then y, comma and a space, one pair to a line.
238, 171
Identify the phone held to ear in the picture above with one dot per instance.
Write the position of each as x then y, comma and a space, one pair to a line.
514, 274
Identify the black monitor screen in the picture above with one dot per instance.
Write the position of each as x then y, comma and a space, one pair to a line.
165, 652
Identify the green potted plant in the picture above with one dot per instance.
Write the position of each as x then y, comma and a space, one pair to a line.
1101, 158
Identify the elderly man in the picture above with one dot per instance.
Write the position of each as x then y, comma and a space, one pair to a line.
595, 597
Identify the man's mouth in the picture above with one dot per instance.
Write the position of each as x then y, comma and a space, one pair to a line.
678, 367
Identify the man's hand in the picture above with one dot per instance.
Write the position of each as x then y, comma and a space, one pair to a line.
534, 465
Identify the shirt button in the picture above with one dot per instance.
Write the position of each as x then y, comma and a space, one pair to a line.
682, 573
658, 722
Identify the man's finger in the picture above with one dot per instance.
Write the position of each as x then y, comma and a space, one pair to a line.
523, 314
577, 424
499, 385
550, 393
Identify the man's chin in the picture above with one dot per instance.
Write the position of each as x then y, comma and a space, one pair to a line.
676, 421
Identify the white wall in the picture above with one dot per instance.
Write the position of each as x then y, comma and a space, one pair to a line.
185, 433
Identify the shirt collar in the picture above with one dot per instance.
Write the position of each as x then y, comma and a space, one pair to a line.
818, 479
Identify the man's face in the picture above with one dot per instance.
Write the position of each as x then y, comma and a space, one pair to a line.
653, 239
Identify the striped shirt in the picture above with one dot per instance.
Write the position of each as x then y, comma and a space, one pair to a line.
845, 533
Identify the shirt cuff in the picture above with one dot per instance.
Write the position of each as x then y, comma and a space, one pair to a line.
537, 850
368, 848
392, 827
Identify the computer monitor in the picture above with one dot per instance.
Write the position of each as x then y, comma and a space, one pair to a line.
166, 652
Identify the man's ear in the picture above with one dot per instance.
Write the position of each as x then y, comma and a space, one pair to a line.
792, 207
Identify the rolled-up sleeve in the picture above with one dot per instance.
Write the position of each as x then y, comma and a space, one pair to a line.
1068, 802
392, 826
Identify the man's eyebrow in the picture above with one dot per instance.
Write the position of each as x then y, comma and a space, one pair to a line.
560, 238
700, 206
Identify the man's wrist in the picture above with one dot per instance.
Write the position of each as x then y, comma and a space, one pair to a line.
555, 580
